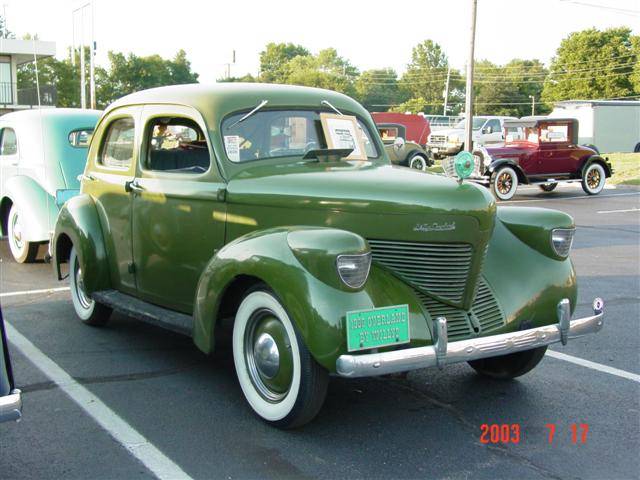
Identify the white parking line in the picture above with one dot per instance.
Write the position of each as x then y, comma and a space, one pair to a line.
594, 366
34, 292
580, 197
620, 211
152, 458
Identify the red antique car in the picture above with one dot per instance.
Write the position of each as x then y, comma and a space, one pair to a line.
538, 151
413, 128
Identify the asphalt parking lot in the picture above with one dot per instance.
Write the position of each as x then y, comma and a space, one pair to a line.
190, 409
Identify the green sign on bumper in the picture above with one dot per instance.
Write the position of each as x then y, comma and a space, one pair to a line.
378, 327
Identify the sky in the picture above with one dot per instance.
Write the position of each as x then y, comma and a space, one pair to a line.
370, 34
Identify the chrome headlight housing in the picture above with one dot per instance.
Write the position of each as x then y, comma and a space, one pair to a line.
561, 241
354, 269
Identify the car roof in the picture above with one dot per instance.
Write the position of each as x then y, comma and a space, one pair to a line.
214, 101
533, 121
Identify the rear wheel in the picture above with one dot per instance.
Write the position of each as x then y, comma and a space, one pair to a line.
280, 379
509, 366
548, 187
593, 179
22, 250
504, 183
87, 309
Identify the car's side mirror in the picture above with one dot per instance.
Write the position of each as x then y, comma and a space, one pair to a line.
398, 143
487, 130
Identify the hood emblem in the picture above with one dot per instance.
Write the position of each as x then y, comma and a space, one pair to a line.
435, 227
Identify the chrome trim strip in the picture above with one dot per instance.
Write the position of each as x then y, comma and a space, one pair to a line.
473, 349
11, 406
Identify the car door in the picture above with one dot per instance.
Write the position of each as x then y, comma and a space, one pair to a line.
493, 129
178, 207
555, 150
110, 167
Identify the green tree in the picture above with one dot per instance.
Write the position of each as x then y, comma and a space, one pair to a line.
379, 89
4, 33
425, 79
507, 90
325, 70
635, 75
592, 64
275, 58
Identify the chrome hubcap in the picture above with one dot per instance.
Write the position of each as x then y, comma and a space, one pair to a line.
16, 229
267, 355
83, 298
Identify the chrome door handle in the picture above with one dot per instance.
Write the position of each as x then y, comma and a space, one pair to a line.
88, 177
133, 186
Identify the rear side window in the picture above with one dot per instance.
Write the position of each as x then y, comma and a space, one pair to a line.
117, 150
176, 145
9, 142
80, 138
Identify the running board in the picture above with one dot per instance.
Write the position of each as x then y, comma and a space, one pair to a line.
147, 312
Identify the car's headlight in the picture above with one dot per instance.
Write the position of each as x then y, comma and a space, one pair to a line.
561, 240
354, 269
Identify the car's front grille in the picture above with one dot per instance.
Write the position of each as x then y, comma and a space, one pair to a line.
438, 140
485, 314
441, 269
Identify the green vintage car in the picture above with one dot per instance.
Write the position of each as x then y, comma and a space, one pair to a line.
206, 208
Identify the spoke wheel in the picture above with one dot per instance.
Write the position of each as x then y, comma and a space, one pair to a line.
281, 381
504, 183
22, 250
593, 179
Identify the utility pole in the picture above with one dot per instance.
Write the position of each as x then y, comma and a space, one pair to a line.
446, 90
468, 131
92, 70
533, 104
83, 80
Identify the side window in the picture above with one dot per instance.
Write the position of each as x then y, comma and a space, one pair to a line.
176, 145
9, 145
80, 138
554, 133
117, 149
495, 125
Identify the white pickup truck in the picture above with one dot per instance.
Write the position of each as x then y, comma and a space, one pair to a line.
486, 130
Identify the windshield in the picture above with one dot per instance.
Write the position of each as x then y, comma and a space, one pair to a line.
478, 122
279, 133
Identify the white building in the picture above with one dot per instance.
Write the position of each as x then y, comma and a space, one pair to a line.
610, 125
12, 54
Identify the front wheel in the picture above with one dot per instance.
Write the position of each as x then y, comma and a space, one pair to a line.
87, 309
418, 162
593, 179
280, 379
22, 250
548, 187
504, 183
509, 366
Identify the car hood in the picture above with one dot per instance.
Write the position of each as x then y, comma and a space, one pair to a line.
508, 150
398, 207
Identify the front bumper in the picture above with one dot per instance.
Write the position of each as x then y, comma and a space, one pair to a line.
11, 406
442, 352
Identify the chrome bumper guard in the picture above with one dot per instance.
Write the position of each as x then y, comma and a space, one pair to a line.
442, 353
11, 406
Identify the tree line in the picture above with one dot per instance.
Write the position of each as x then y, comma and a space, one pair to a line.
590, 64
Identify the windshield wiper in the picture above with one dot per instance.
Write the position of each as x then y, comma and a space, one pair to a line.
326, 102
260, 105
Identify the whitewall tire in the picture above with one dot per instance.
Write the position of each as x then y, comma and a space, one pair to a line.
22, 250
418, 162
593, 179
87, 309
504, 183
281, 381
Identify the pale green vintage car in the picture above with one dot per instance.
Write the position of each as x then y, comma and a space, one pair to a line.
42, 152
206, 208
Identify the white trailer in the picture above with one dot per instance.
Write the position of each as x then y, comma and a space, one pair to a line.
610, 125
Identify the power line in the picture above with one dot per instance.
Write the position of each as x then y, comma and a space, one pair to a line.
623, 11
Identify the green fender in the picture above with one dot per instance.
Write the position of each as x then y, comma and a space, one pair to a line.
78, 225
38, 210
298, 264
